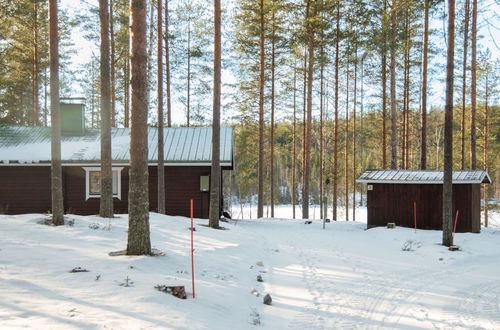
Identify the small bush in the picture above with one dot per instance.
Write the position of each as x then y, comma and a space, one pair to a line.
410, 245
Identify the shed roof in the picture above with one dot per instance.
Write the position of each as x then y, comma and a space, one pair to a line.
422, 177
192, 145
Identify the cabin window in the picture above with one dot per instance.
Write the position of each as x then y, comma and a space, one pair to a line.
93, 182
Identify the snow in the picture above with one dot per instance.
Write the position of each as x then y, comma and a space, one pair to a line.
423, 176
286, 212
341, 277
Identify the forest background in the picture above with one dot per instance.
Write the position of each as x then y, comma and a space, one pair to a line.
350, 80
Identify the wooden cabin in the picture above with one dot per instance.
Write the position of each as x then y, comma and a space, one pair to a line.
25, 184
398, 195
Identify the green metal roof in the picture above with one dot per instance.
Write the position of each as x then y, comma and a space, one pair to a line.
20, 144
423, 177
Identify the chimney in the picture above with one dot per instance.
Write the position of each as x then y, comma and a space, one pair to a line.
72, 116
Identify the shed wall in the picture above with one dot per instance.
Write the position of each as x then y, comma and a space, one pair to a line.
394, 203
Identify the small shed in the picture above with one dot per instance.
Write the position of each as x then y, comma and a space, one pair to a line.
398, 195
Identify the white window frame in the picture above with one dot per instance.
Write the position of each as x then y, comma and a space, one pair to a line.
116, 170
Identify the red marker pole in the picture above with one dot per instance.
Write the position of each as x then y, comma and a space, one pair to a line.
415, 215
192, 250
454, 229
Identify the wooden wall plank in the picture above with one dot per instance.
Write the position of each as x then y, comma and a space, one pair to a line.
394, 203
26, 189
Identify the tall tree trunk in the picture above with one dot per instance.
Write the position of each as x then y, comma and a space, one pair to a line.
113, 63
56, 168
260, 197
473, 136
215, 183
159, 72
464, 80
294, 155
126, 92
106, 201
346, 141
321, 146
45, 99
394, 141
404, 124
139, 241
448, 131
35, 67
149, 44
354, 135
423, 116
167, 65
188, 90
485, 151
304, 119
336, 116
384, 89
273, 64
307, 170
93, 115
361, 116
406, 106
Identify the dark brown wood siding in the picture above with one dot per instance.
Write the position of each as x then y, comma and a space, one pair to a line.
26, 189
394, 203
181, 185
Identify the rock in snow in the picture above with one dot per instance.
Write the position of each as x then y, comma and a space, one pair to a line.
267, 299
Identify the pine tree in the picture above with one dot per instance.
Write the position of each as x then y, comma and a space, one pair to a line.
159, 90
384, 85
24, 60
294, 137
106, 177
56, 168
139, 242
215, 188
473, 82
336, 113
273, 85
191, 69
112, 59
464, 79
311, 29
448, 131
167, 66
485, 150
393, 32
260, 193
425, 51
346, 140
354, 135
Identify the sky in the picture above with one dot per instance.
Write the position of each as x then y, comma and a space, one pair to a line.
488, 36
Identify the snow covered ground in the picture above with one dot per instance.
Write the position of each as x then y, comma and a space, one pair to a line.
343, 277
286, 212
